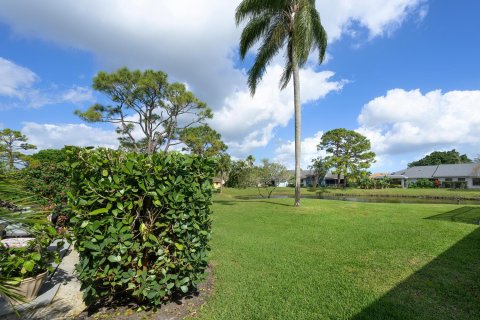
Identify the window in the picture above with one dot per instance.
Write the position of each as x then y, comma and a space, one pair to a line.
448, 179
461, 179
476, 181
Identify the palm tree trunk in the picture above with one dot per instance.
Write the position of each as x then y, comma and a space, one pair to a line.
298, 128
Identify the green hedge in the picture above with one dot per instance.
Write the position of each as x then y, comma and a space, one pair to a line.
141, 223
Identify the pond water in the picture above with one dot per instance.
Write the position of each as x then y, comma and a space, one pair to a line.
382, 199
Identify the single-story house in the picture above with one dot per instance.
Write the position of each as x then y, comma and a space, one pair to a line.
307, 179
463, 175
217, 183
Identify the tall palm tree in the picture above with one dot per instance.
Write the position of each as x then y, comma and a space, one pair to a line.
250, 160
275, 23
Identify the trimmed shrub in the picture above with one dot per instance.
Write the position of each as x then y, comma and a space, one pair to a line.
141, 223
422, 183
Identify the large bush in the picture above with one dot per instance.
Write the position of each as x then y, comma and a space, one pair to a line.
141, 223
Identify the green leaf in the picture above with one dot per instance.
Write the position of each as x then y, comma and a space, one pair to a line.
28, 265
113, 258
105, 172
179, 246
184, 289
98, 211
36, 256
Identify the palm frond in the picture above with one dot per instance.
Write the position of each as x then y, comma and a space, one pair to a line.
249, 9
287, 71
273, 42
319, 35
255, 29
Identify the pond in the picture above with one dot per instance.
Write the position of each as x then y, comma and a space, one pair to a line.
421, 200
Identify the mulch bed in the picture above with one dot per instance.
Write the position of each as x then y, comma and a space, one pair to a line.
178, 309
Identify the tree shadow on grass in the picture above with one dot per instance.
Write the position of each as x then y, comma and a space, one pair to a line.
464, 214
446, 288
225, 202
262, 200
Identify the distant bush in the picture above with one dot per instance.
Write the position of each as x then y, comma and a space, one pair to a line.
422, 183
141, 223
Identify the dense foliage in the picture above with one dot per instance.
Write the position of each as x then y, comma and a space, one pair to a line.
203, 140
47, 177
141, 223
441, 157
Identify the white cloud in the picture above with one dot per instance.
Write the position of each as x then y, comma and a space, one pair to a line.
379, 17
46, 136
19, 87
14, 79
195, 42
77, 95
407, 121
248, 122
285, 153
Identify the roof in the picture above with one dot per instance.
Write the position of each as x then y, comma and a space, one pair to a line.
441, 171
458, 170
310, 173
417, 172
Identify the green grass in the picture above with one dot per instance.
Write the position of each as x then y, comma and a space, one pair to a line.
390, 192
410, 192
342, 260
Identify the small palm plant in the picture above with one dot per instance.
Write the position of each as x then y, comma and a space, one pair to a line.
17, 264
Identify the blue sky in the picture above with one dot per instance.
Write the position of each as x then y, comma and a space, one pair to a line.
403, 72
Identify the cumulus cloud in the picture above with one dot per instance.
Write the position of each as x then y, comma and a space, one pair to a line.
14, 79
20, 87
47, 136
248, 122
379, 17
285, 153
407, 121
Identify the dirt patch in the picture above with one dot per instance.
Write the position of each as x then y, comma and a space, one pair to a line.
186, 306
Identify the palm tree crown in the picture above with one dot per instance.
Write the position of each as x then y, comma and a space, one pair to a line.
275, 23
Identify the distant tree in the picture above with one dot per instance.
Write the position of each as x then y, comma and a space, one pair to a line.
364, 181
145, 102
441, 157
202, 140
224, 165
12, 143
347, 151
268, 174
477, 159
241, 175
320, 169
250, 160
294, 24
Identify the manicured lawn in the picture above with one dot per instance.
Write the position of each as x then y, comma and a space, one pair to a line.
392, 192
343, 260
